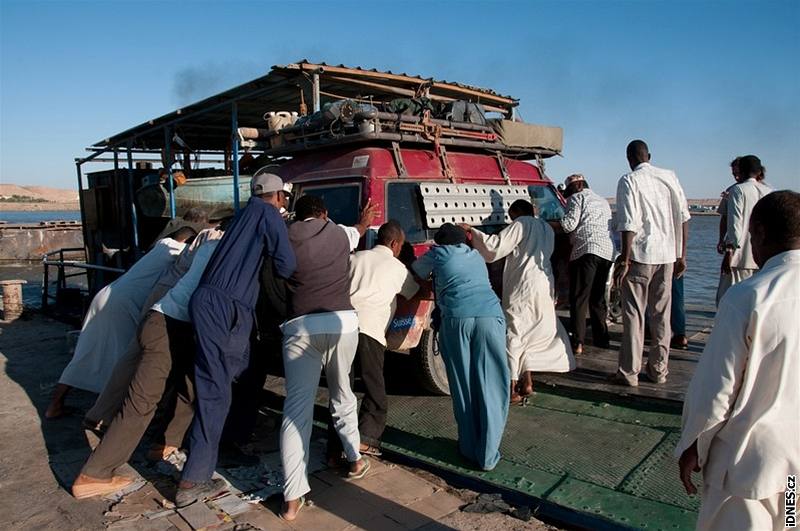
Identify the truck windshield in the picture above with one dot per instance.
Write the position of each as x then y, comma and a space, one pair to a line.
341, 200
404, 206
548, 206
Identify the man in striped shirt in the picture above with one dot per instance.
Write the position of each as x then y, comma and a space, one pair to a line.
587, 220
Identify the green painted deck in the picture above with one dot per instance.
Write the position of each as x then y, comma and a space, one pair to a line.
604, 457
581, 444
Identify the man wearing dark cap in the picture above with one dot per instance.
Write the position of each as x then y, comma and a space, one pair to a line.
222, 311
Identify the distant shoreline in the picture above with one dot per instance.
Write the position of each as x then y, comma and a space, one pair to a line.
71, 206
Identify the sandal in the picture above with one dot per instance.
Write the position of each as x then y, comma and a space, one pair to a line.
363, 472
282, 515
374, 451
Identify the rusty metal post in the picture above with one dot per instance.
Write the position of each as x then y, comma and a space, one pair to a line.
12, 298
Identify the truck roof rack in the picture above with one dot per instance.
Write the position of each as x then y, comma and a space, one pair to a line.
304, 87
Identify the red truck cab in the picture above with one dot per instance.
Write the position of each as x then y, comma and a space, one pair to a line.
391, 178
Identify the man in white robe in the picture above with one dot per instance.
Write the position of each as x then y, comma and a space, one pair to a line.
110, 324
536, 340
741, 420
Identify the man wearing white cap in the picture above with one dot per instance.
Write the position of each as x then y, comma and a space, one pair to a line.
222, 310
588, 221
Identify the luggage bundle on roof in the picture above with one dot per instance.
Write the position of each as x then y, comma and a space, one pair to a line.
458, 123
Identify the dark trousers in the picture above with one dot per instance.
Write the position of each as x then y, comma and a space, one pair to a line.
678, 311
374, 404
247, 392
587, 287
167, 356
222, 326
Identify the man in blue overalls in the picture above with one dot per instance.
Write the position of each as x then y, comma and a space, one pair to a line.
222, 310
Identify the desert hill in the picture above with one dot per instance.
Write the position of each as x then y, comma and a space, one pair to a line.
54, 195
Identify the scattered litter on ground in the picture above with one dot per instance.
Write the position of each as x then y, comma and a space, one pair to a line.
487, 503
523, 513
199, 515
232, 505
133, 487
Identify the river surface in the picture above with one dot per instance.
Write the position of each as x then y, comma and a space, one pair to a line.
702, 274
700, 284
13, 216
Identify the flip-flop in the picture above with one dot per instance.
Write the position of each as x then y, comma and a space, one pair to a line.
371, 450
282, 515
362, 472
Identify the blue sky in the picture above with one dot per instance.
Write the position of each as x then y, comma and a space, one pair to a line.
701, 82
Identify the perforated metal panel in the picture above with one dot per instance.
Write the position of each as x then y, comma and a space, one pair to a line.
474, 204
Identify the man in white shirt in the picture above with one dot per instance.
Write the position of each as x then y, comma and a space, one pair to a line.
738, 263
722, 210
167, 352
376, 278
741, 425
653, 219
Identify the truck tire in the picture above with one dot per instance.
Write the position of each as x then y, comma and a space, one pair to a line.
431, 372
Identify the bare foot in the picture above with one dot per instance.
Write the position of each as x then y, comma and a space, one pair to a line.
516, 398
56, 407
526, 384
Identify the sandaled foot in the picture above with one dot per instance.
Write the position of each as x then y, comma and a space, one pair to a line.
292, 508
368, 449
577, 348
88, 487
200, 491
359, 469
679, 342
618, 379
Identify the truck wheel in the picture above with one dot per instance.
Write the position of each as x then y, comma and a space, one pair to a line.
431, 373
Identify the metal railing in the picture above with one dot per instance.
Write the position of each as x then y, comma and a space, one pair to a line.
49, 260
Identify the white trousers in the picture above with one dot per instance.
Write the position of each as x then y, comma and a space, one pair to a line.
722, 512
304, 357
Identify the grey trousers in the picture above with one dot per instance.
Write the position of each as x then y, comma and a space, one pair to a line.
646, 290
304, 357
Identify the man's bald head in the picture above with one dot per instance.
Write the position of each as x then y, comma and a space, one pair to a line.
637, 153
775, 225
